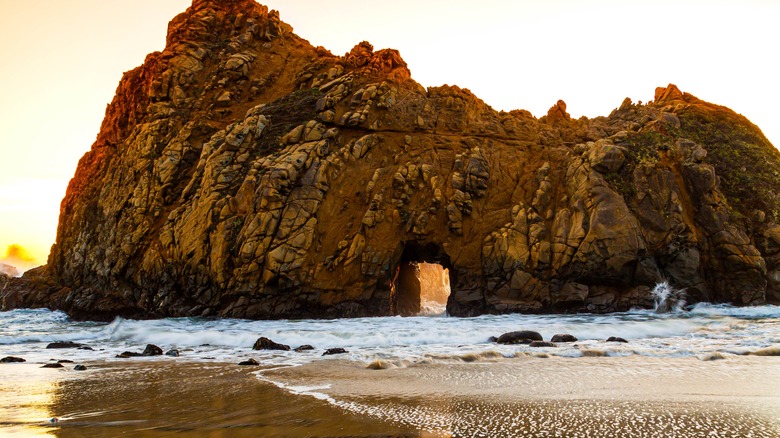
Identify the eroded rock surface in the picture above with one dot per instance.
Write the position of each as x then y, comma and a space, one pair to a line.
243, 172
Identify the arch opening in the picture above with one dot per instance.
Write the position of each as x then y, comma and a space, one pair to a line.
421, 285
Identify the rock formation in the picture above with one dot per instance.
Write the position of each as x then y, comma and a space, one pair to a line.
243, 172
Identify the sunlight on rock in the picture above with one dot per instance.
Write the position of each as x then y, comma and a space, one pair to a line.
434, 289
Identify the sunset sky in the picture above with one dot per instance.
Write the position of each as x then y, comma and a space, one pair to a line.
62, 60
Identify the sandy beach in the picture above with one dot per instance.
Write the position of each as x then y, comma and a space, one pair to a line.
485, 395
553, 396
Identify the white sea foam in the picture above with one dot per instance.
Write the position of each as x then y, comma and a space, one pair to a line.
706, 328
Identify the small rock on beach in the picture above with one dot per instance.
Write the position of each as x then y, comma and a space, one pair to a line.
65, 344
266, 344
563, 338
152, 350
541, 344
519, 337
126, 354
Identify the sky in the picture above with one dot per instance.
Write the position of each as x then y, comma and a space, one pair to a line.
62, 60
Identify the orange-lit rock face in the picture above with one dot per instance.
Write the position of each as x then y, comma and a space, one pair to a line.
406, 290
243, 172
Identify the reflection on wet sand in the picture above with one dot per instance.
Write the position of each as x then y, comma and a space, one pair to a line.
26, 395
150, 399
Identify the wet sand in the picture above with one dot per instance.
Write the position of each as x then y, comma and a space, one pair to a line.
136, 398
488, 396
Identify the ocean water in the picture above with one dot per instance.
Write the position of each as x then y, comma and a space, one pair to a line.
443, 376
703, 330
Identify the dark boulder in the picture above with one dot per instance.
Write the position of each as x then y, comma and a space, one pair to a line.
152, 350
53, 365
249, 362
126, 354
11, 359
305, 347
519, 337
65, 344
331, 351
541, 344
80, 368
266, 344
64, 361
172, 352
563, 338
616, 339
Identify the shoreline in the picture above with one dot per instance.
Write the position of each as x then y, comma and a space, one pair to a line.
712, 370
528, 395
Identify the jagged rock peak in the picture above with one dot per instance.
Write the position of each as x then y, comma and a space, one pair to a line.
383, 61
668, 94
206, 19
558, 111
225, 4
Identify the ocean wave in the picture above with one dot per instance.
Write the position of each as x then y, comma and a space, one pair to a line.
755, 312
705, 328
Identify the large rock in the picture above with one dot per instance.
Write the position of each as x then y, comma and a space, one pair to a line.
242, 172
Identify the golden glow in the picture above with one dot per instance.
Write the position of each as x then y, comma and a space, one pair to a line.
27, 394
62, 61
434, 288
18, 257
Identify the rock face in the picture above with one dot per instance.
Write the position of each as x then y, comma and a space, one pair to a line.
243, 172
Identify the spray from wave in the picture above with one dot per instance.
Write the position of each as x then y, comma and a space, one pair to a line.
9, 270
667, 299
16, 261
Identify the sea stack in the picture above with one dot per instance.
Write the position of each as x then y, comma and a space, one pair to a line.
243, 172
